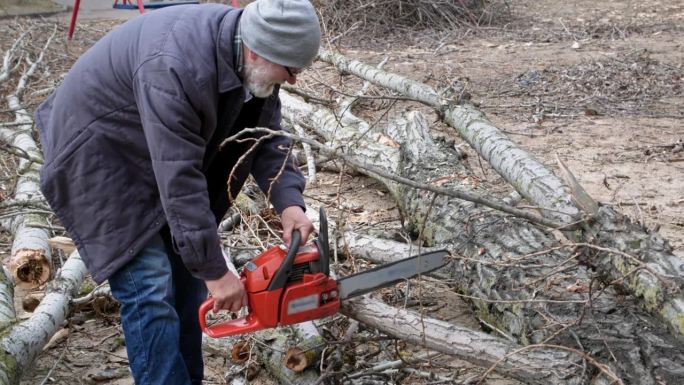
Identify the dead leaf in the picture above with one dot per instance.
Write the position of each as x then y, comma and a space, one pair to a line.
387, 141
58, 337
578, 287
442, 180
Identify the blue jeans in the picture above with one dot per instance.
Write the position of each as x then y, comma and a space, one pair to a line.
159, 302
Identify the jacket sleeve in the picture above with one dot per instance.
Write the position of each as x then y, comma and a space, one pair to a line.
171, 119
276, 173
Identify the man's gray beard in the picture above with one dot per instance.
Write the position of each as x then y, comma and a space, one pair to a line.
257, 88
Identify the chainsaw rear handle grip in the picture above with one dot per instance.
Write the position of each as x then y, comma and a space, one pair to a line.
246, 324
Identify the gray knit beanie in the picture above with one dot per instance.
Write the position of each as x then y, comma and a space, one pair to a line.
284, 32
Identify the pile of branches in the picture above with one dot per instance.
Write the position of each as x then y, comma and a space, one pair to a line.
386, 16
628, 84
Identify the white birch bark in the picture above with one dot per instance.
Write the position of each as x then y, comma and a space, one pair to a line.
542, 367
647, 266
522, 170
377, 250
8, 312
31, 259
10, 62
504, 259
23, 341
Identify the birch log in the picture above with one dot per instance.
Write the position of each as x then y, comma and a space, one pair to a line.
526, 174
542, 367
23, 341
31, 260
520, 279
8, 313
643, 258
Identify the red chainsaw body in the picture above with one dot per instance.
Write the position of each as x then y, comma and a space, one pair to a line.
306, 295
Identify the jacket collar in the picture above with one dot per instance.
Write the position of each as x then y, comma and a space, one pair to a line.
228, 78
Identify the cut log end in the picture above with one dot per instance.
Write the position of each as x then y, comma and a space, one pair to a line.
296, 360
30, 268
239, 354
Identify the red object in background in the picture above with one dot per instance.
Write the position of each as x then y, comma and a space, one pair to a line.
141, 8
282, 290
77, 4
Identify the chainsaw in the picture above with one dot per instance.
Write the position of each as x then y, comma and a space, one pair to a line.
286, 287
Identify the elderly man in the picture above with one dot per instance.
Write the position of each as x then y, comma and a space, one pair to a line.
135, 170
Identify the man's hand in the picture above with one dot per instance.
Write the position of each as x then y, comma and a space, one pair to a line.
293, 218
228, 293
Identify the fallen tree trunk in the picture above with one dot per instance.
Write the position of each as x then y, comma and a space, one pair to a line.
525, 173
539, 365
492, 352
8, 313
519, 278
477, 348
645, 263
23, 341
30, 260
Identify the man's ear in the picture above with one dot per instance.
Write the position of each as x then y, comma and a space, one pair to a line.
249, 54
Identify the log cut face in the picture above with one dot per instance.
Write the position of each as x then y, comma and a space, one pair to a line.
31, 258
29, 266
519, 278
22, 342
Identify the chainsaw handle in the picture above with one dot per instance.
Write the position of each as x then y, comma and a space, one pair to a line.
247, 324
323, 243
280, 278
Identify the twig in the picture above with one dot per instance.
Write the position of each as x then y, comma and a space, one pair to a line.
464, 195
7, 67
632, 258
602, 367
305, 96
59, 359
20, 152
101, 290
310, 161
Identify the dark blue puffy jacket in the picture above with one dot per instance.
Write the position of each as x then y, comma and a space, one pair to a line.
131, 140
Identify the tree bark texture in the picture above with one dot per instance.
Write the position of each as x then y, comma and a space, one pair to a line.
30, 259
518, 167
539, 185
8, 314
536, 366
23, 341
518, 276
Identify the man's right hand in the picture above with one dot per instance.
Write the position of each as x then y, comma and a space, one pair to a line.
228, 292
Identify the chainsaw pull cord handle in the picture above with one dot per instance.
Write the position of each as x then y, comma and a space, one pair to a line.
280, 278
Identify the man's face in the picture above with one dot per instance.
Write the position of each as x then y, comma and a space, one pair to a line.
261, 76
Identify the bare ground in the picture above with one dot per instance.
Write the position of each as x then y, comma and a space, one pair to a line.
598, 84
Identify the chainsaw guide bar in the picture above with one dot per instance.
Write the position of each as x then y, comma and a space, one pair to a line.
391, 273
